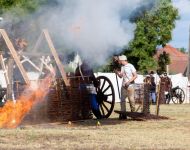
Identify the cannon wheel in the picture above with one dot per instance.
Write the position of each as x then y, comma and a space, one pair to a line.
178, 96
105, 96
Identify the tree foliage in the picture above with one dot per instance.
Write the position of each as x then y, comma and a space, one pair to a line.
15, 14
20, 7
183, 50
153, 28
163, 60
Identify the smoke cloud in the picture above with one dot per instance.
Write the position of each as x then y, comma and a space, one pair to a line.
94, 29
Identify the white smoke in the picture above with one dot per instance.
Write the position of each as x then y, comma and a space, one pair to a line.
94, 28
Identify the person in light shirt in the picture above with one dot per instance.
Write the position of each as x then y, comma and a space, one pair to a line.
128, 73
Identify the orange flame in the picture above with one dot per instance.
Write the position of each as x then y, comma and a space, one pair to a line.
12, 113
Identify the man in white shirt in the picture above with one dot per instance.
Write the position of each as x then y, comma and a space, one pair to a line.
128, 73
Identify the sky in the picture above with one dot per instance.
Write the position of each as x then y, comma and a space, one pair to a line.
181, 31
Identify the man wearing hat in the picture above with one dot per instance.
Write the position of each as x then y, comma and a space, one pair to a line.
128, 73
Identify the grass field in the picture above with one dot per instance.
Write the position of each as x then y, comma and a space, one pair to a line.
113, 134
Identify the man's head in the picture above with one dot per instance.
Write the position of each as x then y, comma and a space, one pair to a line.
165, 74
151, 72
122, 59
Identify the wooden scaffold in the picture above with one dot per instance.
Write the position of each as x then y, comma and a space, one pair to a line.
65, 100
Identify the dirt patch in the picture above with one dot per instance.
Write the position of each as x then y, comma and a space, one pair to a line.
141, 116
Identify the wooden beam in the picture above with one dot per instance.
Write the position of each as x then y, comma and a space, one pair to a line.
56, 57
158, 99
30, 62
4, 69
14, 55
35, 54
188, 64
37, 43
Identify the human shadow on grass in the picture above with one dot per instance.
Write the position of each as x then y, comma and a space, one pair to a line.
113, 120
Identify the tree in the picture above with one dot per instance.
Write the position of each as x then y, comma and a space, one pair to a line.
20, 7
18, 15
14, 13
183, 50
163, 60
153, 28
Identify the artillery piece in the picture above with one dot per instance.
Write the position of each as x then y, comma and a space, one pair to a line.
65, 100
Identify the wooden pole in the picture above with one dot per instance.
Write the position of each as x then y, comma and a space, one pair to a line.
10, 64
4, 69
56, 57
14, 55
158, 99
29, 61
118, 86
37, 43
188, 64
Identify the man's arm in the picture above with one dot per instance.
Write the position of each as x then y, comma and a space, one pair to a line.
133, 78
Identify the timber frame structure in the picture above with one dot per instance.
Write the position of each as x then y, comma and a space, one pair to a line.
16, 58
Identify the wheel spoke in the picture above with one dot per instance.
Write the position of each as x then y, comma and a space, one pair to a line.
106, 89
105, 107
108, 94
174, 99
103, 85
102, 109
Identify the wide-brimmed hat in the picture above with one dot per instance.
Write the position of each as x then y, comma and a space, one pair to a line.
122, 57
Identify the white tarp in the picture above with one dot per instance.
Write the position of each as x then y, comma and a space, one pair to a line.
31, 76
177, 80
112, 77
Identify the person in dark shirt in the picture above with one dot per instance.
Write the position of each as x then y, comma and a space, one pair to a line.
150, 81
152, 88
84, 70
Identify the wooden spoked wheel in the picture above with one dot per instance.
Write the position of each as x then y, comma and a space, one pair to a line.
105, 96
178, 96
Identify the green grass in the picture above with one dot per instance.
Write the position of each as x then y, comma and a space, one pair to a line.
112, 134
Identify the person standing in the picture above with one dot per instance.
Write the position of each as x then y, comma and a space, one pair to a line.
152, 88
167, 86
128, 73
